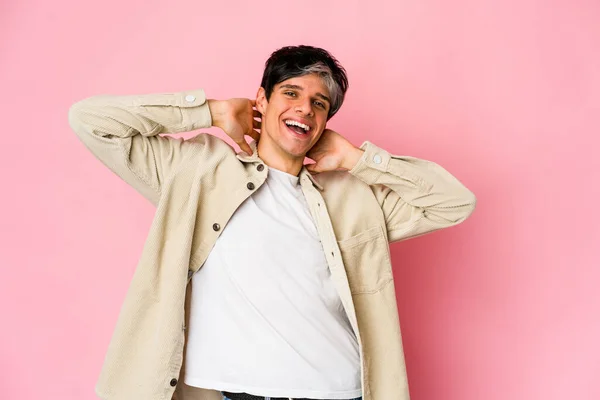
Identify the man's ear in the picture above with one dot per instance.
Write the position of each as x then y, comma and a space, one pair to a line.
261, 101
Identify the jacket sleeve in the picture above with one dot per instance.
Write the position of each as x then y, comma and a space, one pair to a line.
416, 196
123, 133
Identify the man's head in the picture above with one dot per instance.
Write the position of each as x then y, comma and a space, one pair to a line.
302, 87
292, 61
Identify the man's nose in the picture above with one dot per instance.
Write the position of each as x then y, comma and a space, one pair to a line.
304, 107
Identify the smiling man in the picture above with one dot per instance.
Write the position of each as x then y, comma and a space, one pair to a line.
262, 277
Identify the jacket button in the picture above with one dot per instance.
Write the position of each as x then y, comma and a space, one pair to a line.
173, 382
260, 167
216, 227
250, 185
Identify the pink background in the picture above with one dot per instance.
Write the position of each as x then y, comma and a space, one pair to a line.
504, 94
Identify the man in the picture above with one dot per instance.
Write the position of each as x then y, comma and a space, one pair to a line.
259, 280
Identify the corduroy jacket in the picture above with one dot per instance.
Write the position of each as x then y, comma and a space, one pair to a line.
197, 185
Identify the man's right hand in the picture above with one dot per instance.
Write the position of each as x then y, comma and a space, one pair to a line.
236, 118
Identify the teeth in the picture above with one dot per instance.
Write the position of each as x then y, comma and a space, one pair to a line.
296, 123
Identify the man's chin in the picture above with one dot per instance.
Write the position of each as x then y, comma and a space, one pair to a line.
297, 154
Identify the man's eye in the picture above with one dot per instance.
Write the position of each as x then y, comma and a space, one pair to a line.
319, 104
290, 93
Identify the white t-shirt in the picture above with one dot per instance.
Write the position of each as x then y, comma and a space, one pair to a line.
265, 318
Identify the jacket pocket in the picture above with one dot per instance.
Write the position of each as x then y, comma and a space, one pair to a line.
366, 260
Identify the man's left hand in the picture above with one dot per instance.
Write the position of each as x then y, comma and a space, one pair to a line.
333, 152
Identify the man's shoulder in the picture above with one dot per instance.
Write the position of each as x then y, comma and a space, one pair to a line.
343, 191
341, 180
209, 146
207, 139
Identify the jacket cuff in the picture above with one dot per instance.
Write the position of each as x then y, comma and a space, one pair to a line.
194, 109
372, 164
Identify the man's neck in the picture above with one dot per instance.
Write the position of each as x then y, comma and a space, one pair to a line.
276, 158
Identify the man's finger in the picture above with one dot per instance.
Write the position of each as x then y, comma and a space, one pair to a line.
312, 168
254, 134
244, 146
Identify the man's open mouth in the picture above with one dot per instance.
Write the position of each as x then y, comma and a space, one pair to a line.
298, 127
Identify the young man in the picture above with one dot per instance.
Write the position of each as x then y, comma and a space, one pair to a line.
293, 295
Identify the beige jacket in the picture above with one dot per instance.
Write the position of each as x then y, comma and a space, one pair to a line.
197, 185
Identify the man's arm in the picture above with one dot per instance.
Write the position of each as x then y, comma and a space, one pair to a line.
123, 131
417, 196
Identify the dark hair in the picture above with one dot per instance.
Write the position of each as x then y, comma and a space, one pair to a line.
292, 61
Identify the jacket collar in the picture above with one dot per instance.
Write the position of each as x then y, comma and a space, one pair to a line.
242, 156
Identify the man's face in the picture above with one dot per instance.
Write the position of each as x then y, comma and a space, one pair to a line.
295, 105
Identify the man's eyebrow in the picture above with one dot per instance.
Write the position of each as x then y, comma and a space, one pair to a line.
297, 87
290, 86
321, 95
